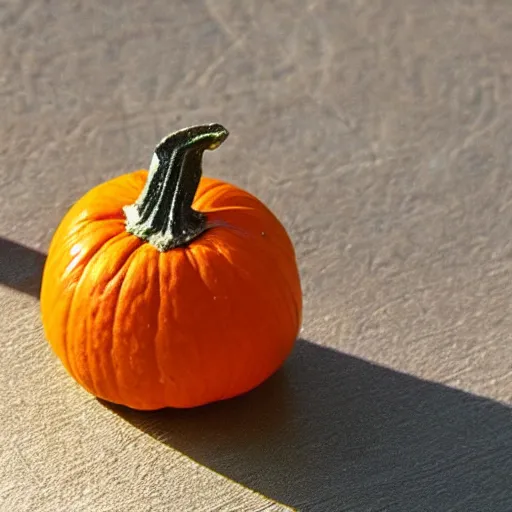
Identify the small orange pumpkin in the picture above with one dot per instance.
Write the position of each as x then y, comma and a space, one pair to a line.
163, 288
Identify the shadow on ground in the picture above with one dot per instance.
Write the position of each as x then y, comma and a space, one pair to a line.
333, 432
21, 267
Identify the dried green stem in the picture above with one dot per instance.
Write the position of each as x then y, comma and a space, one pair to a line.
163, 214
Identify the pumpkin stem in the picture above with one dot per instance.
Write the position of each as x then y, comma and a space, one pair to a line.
163, 214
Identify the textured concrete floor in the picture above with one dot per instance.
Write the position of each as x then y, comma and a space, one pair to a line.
380, 132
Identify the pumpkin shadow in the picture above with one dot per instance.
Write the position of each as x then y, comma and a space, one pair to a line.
21, 267
333, 432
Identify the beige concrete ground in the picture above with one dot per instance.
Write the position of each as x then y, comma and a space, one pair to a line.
380, 132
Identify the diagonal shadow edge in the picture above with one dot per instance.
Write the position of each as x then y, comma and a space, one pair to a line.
330, 431
21, 267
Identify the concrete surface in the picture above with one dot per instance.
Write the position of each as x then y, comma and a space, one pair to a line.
380, 132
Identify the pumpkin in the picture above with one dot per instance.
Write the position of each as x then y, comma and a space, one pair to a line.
164, 288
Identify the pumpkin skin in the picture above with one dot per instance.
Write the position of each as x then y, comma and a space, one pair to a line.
149, 328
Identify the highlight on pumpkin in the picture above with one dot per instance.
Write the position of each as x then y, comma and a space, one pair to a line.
148, 306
